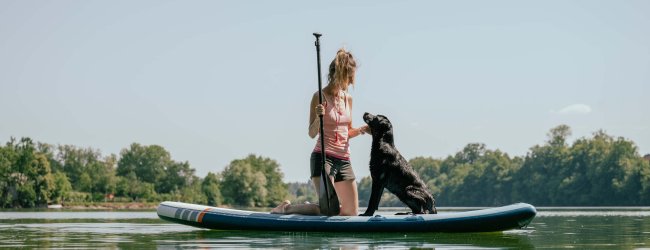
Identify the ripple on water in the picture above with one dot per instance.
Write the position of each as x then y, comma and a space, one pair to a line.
519, 232
105, 228
104, 215
593, 213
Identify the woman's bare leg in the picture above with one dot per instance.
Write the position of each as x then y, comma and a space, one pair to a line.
347, 193
348, 197
305, 209
287, 208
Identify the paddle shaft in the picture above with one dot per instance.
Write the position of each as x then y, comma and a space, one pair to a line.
323, 174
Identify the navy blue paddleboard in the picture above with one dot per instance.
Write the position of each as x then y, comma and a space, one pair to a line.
485, 220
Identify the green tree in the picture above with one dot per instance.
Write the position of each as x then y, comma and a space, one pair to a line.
253, 181
600, 170
122, 186
243, 186
103, 176
50, 152
85, 183
429, 170
62, 188
37, 172
148, 163
276, 189
7, 180
75, 162
178, 175
145, 192
211, 187
387, 198
497, 179
130, 186
193, 192
153, 164
28, 181
605, 167
364, 189
475, 176
645, 181
544, 169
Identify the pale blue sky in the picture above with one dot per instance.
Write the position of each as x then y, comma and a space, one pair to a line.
212, 81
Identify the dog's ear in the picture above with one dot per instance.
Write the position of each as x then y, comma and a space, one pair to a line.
384, 122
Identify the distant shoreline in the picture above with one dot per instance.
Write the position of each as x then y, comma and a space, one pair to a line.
152, 206
112, 206
107, 206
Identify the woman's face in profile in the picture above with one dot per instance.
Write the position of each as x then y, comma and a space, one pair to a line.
351, 81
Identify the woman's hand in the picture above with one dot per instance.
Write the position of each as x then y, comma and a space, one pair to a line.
320, 109
365, 129
359, 131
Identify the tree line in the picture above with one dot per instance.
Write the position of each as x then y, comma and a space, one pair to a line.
594, 171
37, 174
597, 171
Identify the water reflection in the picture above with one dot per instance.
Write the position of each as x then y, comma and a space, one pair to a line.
236, 239
129, 235
562, 228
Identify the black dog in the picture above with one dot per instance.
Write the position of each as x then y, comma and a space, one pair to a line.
390, 170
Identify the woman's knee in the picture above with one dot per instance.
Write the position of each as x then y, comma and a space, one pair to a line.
348, 196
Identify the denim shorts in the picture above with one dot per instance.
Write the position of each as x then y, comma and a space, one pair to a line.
340, 169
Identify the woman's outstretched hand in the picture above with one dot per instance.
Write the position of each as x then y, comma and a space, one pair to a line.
365, 129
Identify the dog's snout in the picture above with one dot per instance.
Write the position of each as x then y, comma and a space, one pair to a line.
367, 117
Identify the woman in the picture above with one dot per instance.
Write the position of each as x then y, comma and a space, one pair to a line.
338, 130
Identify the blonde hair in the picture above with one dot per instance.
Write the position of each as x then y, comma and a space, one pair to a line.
342, 69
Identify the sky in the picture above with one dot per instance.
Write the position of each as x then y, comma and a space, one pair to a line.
214, 81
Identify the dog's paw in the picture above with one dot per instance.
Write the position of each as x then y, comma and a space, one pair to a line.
365, 214
405, 213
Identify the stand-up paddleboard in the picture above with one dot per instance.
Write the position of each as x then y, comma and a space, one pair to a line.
485, 220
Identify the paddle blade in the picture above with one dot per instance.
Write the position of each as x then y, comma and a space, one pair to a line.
332, 199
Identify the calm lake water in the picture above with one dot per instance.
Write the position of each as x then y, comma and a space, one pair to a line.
583, 228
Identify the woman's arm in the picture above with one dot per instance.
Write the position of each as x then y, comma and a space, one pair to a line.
354, 132
314, 122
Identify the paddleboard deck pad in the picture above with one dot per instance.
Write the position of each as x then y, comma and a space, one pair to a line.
485, 220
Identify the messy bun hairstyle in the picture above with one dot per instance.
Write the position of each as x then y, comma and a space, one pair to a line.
342, 69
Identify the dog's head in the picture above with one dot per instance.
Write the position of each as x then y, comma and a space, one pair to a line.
379, 124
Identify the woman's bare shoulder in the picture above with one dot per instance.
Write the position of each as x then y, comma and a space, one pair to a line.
314, 97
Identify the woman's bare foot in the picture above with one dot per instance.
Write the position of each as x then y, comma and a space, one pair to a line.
281, 209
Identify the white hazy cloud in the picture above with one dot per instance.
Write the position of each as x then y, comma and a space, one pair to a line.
580, 109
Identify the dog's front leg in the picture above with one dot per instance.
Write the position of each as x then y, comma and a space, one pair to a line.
375, 197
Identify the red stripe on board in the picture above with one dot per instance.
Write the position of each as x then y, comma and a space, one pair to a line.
200, 219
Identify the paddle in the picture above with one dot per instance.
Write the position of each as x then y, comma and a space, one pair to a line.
328, 201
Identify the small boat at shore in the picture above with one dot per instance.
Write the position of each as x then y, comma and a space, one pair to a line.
55, 206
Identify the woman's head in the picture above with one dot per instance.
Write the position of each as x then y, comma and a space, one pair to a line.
342, 70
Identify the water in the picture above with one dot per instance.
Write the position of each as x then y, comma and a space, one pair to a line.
583, 228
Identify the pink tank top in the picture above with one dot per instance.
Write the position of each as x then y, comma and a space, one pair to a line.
335, 125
